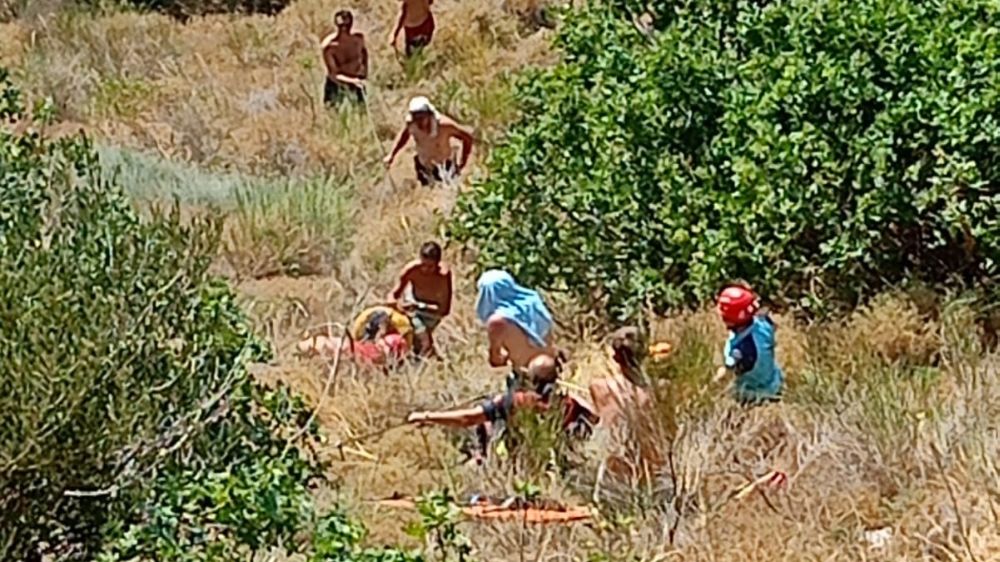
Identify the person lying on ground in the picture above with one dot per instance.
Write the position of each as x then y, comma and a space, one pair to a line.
518, 325
430, 282
749, 350
379, 343
346, 58
432, 133
417, 23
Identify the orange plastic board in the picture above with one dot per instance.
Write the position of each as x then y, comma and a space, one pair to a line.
496, 512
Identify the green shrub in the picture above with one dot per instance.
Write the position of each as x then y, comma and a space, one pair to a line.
123, 365
822, 150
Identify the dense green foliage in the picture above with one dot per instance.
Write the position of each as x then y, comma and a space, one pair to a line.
820, 150
123, 378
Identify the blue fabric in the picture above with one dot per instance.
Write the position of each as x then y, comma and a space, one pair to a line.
750, 354
500, 294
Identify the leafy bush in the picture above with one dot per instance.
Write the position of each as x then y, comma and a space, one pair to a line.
337, 539
123, 364
821, 150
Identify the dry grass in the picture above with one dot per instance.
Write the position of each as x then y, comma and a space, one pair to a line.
890, 420
245, 92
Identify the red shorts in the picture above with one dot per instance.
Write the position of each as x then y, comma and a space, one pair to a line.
371, 353
419, 36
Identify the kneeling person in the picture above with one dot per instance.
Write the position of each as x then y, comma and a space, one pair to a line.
749, 351
539, 398
430, 281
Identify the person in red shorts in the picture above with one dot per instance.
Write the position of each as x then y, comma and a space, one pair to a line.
417, 23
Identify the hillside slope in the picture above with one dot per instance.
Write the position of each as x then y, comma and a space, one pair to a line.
875, 435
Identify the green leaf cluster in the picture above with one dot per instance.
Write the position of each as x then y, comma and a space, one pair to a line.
124, 394
821, 150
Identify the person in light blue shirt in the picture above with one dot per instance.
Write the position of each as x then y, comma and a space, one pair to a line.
749, 352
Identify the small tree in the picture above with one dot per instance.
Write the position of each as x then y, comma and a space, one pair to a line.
122, 362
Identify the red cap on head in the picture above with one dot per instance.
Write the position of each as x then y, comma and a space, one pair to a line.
737, 305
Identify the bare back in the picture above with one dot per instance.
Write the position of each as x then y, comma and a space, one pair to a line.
346, 53
521, 350
417, 12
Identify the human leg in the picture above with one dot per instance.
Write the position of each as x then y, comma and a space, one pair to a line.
331, 93
424, 173
424, 323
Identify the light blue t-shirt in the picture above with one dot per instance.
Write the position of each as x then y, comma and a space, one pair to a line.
750, 354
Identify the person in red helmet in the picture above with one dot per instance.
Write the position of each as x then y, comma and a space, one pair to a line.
749, 352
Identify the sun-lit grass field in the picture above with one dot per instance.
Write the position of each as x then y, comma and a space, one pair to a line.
889, 431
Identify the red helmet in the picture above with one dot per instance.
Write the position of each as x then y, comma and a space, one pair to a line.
737, 305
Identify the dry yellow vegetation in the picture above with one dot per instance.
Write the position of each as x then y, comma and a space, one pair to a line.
873, 447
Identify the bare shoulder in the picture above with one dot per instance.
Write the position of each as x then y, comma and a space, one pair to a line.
357, 35
409, 268
328, 41
444, 269
452, 126
496, 324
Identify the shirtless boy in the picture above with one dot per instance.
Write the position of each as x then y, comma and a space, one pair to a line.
430, 281
417, 23
346, 60
432, 133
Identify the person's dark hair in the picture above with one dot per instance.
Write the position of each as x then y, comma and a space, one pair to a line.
343, 16
431, 251
630, 350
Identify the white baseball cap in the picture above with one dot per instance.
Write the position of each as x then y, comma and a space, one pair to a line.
420, 104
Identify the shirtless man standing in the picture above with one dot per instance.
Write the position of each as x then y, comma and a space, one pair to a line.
430, 281
346, 59
417, 21
432, 133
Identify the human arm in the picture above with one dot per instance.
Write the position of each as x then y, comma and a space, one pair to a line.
364, 61
401, 140
401, 283
399, 25
468, 417
445, 310
332, 68
478, 415
464, 135
495, 329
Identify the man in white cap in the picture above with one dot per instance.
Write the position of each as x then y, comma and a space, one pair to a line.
432, 133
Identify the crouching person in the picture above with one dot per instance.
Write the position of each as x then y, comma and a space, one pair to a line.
540, 395
749, 351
